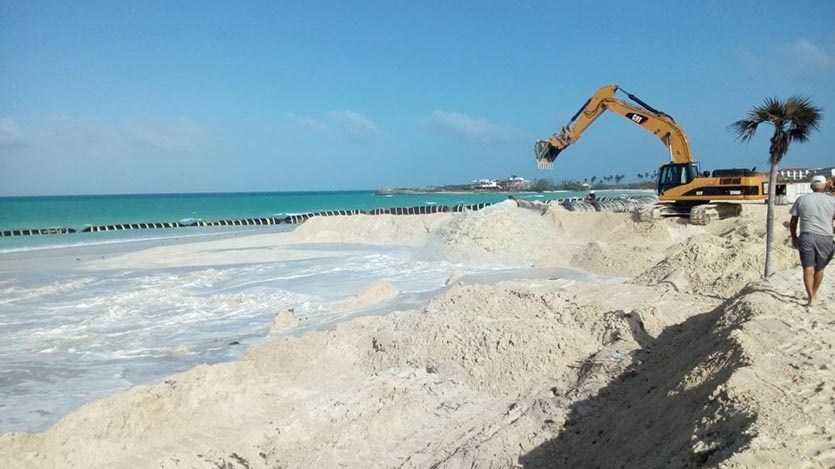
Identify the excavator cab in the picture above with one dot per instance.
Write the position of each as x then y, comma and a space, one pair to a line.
675, 174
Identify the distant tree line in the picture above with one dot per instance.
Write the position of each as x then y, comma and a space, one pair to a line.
645, 181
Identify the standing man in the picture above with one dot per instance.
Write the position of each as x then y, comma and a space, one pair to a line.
592, 199
815, 212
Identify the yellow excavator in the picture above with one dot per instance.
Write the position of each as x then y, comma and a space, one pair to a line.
683, 190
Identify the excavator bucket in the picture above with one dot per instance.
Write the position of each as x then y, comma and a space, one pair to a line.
546, 154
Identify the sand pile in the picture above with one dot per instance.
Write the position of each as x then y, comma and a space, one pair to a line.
487, 335
536, 373
605, 226
501, 232
726, 258
375, 293
735, 387
610, 243
369, 229
788, 383
604, 243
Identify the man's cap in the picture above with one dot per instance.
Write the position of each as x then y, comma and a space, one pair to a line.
819, 180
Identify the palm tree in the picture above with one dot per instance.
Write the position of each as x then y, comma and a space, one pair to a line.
793, 120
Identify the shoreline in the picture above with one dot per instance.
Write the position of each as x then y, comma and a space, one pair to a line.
54, 217
407, 191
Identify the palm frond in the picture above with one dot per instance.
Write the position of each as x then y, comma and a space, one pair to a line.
798, 117
803, 112
744, 129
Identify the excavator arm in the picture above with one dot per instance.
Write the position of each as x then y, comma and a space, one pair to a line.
658, 123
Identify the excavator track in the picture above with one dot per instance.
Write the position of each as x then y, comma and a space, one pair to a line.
705, 213
701, 214
661, 210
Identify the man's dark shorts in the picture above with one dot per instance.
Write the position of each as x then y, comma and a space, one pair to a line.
815, 250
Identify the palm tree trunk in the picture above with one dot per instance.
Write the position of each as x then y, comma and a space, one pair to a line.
769, 221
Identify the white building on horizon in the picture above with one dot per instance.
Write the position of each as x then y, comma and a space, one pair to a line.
486, 185
516, 183
513, 183
803, 174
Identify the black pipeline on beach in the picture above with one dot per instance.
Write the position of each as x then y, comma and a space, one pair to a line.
287, 220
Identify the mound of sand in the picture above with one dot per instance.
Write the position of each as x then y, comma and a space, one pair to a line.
369, 229
598, 242
501, 232
615, 258
606, 226
725, 259
377, 292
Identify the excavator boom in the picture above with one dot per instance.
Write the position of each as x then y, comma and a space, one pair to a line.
660, 124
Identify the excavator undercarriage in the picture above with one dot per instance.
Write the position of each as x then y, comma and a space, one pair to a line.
698, 214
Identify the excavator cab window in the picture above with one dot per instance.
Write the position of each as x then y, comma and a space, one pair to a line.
673, 175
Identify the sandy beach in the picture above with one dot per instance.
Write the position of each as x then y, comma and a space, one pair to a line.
667, 349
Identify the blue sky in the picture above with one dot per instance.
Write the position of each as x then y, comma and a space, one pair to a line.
146, 97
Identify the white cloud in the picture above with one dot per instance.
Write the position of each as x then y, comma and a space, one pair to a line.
808, 54
178, 136
92, 137
477, 130
10, 133
797, 58
86, 134
307, 122
355, 124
